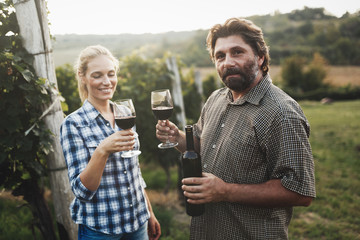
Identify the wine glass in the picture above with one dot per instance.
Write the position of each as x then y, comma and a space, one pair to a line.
125, 115
162, 107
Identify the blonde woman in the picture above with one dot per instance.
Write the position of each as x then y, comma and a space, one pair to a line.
110, 199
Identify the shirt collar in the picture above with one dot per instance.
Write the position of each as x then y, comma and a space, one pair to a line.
91, 112
255, 94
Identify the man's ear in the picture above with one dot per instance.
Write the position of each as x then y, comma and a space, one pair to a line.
261, 60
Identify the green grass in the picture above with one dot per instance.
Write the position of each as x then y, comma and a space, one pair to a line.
155, 177
335, 141
16, 221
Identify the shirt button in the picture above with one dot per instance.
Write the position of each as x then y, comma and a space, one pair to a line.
125, 172
108, 124
128, 188
131, 205
222, 125
205, 165
214, 146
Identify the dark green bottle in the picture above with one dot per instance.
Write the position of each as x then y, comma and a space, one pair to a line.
191, 166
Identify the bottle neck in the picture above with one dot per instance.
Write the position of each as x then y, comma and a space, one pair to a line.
189, 138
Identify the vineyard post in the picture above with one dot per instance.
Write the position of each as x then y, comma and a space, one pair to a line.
199, 85
176, 91
33, 24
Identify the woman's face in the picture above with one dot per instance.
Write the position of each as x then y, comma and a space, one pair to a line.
100, 79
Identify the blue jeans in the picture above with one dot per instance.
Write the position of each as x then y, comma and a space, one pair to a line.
86, 233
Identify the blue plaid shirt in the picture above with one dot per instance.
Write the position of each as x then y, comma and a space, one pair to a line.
119, 204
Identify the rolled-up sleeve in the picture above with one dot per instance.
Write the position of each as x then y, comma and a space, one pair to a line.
76, 157
291, 156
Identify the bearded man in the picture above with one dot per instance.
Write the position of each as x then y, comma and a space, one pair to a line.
253, 140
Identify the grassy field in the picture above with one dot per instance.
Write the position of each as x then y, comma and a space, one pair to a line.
335, 140
334, 214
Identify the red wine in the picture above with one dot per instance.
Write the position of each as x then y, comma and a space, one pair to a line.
191, 166
163, 113
125, 122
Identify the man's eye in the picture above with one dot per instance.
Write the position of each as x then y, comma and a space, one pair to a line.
237, 52
220, 56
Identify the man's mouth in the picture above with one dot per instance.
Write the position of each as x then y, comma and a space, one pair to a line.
232, 72
232, 76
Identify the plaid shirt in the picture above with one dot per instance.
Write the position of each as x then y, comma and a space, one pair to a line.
119, 204
262, 136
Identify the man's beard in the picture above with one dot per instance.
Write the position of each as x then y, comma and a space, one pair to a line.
247, 76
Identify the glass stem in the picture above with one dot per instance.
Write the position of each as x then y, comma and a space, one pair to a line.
167, 140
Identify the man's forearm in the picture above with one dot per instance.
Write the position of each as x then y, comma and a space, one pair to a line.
269, 194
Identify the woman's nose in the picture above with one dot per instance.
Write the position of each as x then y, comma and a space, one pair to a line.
106, 80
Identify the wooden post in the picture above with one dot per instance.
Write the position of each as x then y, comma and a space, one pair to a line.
33, 23
199, 85
176, 91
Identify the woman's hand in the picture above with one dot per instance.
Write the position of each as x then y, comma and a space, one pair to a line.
123, 140
154, 229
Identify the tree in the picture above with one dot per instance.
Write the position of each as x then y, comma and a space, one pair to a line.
24, 139
68, 88
298, 76
315, 74
138, 77
210, 84
192, 98
31, 18
292, 72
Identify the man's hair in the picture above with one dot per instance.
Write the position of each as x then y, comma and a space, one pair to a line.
247, 30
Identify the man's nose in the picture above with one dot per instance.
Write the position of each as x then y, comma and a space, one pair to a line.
229, 61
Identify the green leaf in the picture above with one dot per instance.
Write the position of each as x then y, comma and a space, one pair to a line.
27, 75
5, 42
26, 87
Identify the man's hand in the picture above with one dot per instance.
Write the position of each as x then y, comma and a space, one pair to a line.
206, 189
166, 130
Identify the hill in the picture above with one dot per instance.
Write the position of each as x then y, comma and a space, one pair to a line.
300, 32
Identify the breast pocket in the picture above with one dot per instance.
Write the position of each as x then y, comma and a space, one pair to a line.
245, 158
92, 140
91, 144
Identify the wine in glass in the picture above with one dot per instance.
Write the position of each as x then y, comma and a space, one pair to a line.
162, 107
125, 115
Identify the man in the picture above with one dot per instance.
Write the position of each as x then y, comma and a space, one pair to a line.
253, 141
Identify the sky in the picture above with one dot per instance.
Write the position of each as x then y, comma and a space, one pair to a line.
157, 16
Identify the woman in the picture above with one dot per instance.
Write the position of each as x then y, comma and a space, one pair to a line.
110, 200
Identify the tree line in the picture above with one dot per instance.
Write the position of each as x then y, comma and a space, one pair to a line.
300, 32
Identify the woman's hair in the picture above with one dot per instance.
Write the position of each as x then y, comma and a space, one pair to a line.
247, 30
81, 65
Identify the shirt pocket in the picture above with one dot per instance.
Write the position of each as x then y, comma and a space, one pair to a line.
245, 159
92, 141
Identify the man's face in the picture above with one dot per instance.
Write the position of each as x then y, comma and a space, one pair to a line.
236, 63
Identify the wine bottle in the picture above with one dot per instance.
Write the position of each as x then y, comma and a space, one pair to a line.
191, 166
